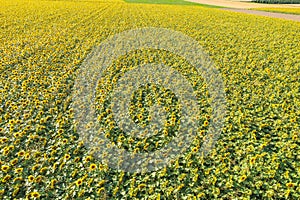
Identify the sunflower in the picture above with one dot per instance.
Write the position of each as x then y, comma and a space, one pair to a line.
61, 166
290, 185
202, 132
19, 170
65, 141
17, 134
205, 123
101, 167
74, 172
81, 193
5, 168
39, 179
287, 194
101, 190
17, 141
165, 132
77, 159
43, 170
27, 156
79, 182
207, 117
252, 160
93, 167
195, 149
242, 178
6, 178
216, 192
35, 167
200, 195
4, 139
101, 182
294, 137
88, 159
140, 117
270, 193
16, 191
67, 156
30, 178
53, 182
18, 179
35, 194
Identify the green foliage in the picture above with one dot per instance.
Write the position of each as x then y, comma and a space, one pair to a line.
171, 2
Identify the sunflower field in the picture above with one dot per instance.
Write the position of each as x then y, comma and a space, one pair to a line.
42, 46
295, 11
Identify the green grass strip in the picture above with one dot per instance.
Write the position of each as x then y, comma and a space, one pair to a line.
171, 2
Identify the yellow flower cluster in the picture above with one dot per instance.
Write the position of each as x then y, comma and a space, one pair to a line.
42, 45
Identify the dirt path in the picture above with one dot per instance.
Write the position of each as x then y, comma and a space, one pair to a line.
267, 14
243, 4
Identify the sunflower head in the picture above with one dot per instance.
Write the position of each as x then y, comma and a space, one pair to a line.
30, 178
35, 195
289, 185
93, 166
242, 178
5, 168
79, 182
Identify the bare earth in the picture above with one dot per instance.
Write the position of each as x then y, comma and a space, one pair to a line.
243, 6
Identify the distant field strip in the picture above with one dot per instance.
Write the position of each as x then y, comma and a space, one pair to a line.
243, 4
278, 1
267, 14
295, 11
